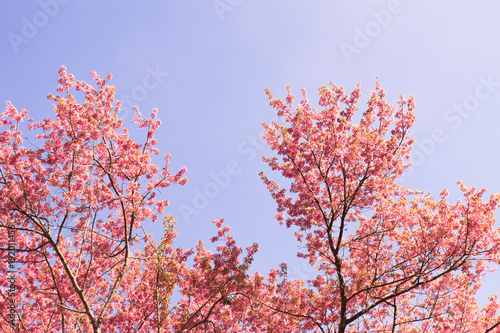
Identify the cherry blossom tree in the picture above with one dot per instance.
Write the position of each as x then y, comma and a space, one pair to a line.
74, 202
388, 259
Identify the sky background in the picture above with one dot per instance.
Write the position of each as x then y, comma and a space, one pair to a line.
205, 65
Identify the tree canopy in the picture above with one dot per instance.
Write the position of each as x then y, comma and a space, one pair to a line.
75, 257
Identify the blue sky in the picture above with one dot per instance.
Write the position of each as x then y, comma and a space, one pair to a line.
205, 65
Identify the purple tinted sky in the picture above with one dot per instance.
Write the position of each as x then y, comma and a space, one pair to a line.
205, 65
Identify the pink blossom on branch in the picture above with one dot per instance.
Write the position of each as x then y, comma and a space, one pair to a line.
76, 201
388, 258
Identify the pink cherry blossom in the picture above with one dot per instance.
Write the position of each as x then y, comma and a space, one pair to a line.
73, 204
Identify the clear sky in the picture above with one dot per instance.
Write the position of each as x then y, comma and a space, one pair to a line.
205, 65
